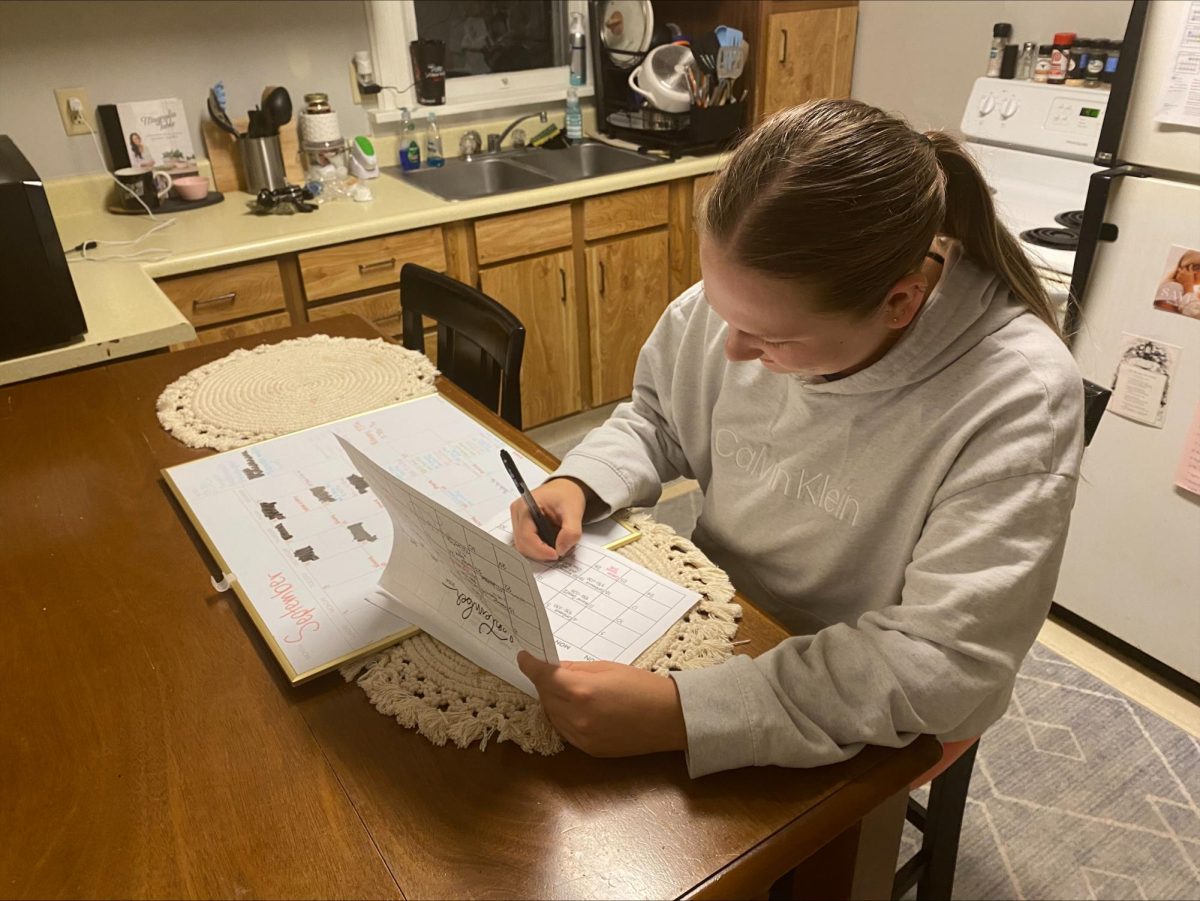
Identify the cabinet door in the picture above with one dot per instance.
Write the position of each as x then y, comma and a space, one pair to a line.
810, 53
627, 292
540, 291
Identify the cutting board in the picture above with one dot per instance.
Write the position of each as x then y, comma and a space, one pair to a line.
227, 162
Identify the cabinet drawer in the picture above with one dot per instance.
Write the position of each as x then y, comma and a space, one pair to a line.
381, 310
373, 263
237, 330
625, 211
524, 233
224, 294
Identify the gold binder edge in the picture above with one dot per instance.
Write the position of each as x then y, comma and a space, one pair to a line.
294, 677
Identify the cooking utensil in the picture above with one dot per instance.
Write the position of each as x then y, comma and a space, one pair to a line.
662, 78
277, 108
705, 49
626, 30
218, 114
731, 61
728, 36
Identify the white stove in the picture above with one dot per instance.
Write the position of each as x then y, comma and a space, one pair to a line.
1035, 144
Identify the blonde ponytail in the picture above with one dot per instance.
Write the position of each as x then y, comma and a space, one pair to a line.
971, 218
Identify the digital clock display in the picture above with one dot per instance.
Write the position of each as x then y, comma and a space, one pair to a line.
1089, 112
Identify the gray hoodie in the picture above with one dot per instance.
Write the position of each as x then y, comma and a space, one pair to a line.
906, 522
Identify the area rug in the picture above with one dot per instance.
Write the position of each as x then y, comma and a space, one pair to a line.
1079, 792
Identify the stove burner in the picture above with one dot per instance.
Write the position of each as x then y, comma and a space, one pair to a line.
1057, 238
1072, 219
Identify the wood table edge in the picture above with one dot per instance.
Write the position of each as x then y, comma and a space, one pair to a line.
750, 872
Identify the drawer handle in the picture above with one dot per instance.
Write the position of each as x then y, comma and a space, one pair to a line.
562, 274
601, 276
214, 301
783, 48
364, 268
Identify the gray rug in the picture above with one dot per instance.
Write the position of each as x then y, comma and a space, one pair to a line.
1079, 793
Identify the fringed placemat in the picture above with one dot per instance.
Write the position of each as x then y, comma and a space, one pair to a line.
427, 686
274, 389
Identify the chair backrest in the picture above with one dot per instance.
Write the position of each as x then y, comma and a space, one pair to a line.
1095, 399
479, 345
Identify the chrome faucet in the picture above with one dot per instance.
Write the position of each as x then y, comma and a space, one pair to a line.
495, 141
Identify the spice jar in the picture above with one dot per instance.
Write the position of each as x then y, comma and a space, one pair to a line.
1097, 59
1025, 63
1001, 32
1041, 66
1110, 64
1060, 57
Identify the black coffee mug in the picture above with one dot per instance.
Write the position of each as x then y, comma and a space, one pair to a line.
150, 186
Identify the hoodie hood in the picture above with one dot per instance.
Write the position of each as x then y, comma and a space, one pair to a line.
967, 305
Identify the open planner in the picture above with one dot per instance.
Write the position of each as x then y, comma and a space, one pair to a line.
345, 538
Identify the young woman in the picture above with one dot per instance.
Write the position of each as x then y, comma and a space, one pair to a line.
871, 388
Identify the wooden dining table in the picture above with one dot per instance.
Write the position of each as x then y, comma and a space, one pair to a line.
151, 747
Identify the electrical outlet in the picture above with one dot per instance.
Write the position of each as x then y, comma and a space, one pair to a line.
64, 97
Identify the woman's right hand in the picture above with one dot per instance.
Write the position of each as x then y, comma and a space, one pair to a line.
563, 501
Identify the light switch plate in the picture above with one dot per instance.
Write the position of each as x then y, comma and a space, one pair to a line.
63, 95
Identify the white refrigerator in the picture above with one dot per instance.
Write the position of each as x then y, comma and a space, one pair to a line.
1132, 563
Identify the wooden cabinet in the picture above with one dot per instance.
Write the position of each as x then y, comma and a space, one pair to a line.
382, 310
627, 292
809, 54
540, 291
371, 263
624, 211
254, 326
222, 295
521, 234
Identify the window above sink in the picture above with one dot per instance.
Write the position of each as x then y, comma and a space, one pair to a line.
505, 69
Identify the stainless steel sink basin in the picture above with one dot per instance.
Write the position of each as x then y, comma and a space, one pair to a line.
524, 169
586, 161
459, 180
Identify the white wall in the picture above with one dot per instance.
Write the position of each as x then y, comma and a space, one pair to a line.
121, 50
919, 58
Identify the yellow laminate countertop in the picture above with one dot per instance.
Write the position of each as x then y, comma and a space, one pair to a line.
128, 314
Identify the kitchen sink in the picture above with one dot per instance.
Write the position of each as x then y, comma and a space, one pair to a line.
586, 161
459, 180
520, 170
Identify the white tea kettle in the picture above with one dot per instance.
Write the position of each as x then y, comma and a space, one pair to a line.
662, 78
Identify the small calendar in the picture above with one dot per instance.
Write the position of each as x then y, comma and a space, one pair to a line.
470, 588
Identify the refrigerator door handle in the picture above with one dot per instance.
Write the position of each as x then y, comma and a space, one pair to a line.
1092, 231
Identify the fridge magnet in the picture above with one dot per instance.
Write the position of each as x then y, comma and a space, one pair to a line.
1188, 475
1179, 289
1143, 379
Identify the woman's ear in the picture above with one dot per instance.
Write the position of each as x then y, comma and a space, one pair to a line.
905, 299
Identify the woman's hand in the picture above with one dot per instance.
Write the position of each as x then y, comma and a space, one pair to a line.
563, 501
608, 709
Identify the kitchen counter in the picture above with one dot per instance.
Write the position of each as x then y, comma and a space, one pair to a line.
128, 314
229, 232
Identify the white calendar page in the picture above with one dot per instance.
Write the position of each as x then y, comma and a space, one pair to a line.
473, 591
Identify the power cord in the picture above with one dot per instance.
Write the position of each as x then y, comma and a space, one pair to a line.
148, 254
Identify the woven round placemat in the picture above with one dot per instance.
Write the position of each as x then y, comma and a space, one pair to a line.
445, 697
270, 390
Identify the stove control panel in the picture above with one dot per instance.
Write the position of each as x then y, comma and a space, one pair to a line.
1044, 118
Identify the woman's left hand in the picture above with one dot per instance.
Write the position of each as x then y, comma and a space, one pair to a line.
608, 709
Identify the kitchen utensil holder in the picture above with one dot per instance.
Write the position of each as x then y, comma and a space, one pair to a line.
262, 163
715, 125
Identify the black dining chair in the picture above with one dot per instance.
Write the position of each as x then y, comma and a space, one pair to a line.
931, 869
479, 343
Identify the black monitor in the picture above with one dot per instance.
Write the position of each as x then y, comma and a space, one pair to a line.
39, 308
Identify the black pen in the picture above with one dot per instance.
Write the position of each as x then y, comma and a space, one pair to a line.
547, 531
